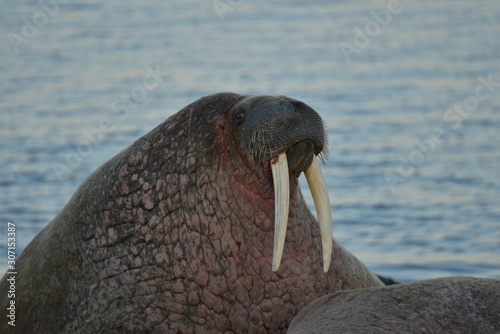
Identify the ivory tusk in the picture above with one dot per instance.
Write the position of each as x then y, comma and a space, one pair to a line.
316, 183
281, 181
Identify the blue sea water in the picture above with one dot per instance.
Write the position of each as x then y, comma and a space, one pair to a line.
414, 168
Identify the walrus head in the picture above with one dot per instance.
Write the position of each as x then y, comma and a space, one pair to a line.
184, 230
285, 134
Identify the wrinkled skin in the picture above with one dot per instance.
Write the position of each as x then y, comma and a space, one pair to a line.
448, 305
175, 233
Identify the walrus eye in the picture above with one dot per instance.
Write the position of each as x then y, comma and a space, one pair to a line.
238, 117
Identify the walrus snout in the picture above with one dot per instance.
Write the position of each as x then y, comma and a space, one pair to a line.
288, 135
271, 125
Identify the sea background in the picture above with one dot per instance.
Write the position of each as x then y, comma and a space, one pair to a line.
414, 184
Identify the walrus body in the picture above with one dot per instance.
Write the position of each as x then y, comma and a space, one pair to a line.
448, 305
175, 233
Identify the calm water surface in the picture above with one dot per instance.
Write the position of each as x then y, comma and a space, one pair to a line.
414, 183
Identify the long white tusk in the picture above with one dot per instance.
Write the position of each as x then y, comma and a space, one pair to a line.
281, 181
316, 183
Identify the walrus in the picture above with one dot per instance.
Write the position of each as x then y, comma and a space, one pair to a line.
198, 226
445, 305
